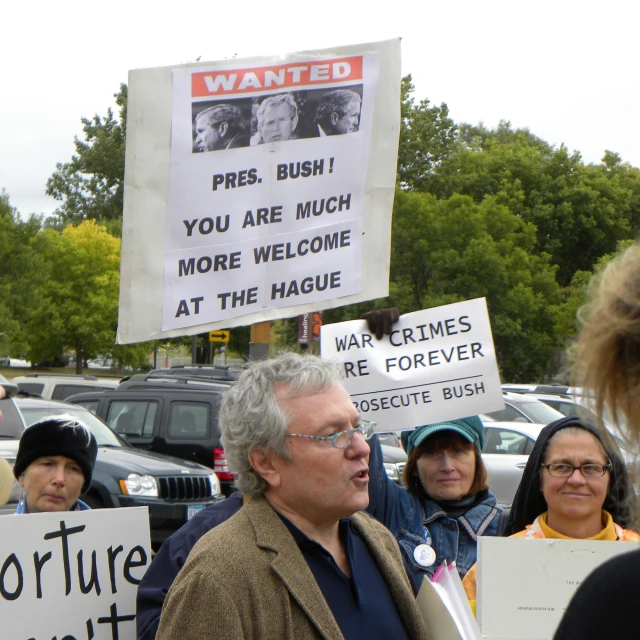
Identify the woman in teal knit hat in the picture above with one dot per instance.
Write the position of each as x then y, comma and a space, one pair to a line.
447, 503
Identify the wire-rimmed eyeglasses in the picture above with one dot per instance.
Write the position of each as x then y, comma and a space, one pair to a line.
589, 470
342, 439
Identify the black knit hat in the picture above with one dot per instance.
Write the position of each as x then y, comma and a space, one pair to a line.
61, 435
529, 503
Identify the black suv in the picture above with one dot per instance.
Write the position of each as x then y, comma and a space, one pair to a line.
172, 489
175, 414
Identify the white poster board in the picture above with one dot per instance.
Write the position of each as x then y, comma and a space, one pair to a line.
528, 603
72, 574
437, 364
257, 189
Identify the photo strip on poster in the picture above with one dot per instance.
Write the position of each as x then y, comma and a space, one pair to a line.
266, 186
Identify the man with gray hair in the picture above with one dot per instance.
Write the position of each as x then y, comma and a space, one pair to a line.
277, 119
220, 127
338, 113
299, 560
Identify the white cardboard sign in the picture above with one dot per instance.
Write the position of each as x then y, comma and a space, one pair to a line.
528, 603
72, 574
437, 364
257, 189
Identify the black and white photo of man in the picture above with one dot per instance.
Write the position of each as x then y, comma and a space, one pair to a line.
277, 119
220, 127
338, 113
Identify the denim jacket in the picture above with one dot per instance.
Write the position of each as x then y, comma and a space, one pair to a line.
414, 521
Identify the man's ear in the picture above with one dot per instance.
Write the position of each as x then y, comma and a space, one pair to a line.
334, 117
265, 465
295, 122
223, 128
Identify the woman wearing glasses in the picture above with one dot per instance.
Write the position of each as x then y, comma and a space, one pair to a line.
446, 504
608, 367
575, 485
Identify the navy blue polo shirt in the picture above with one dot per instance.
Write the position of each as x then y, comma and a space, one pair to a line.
362, 604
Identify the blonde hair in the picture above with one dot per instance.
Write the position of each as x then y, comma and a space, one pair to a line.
607, 352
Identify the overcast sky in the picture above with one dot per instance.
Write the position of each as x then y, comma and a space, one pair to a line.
567, 70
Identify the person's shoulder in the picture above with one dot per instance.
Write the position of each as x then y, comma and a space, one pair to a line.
240, 140
369, 526
239, 529
218, 512
630, 536
206, 520
490, 500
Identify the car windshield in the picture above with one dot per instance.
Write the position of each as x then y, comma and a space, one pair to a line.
539, 412
104, 436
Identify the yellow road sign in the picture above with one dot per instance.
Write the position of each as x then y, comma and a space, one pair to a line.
218, 336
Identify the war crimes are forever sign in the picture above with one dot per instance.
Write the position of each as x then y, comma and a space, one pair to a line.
72, 575
257, 189
437, 364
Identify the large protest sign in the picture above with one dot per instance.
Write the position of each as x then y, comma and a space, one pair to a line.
72, 574
437, 364
528, 604
257, 189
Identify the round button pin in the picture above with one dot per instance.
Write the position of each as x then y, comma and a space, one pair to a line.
424, 555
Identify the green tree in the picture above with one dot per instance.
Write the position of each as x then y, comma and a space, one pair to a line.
91, 185
77, 292
427, 138
575, 295
579, 211
15, 276
457, 249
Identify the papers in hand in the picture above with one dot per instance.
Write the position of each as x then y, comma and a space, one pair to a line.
445, 608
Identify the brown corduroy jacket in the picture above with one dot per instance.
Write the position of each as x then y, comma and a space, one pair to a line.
247, 580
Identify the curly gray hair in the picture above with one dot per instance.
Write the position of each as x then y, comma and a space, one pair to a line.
251, 417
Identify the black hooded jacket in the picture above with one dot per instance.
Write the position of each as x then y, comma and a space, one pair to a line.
529, 502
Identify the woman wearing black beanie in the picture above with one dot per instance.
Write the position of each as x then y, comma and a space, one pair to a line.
54, 465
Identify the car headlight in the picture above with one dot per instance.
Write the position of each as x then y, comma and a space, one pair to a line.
137, 485
215, 484
392, 470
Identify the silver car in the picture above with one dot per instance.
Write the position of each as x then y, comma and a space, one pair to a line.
507, 446
521, 408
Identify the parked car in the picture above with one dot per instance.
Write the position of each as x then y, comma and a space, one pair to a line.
173, 490
520, 408
166, 413
507, 446
215, 372
59, 386
570, 401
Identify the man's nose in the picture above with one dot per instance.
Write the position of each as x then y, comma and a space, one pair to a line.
359, 447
